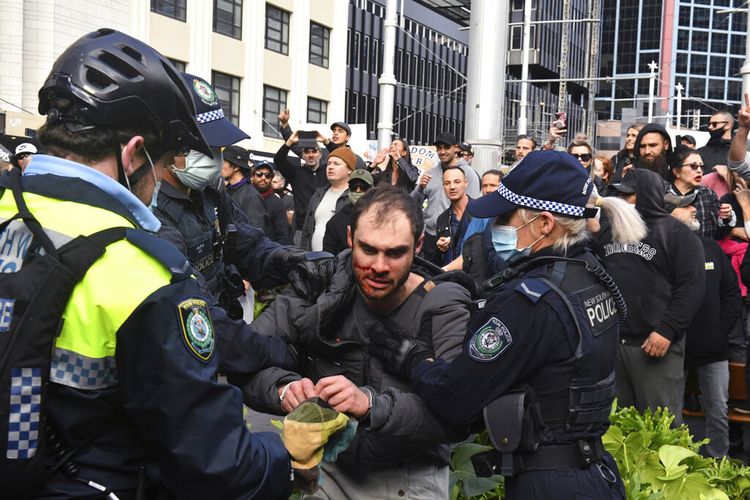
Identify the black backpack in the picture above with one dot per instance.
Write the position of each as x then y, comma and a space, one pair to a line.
32, 302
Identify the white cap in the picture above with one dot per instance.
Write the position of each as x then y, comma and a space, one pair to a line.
25, 147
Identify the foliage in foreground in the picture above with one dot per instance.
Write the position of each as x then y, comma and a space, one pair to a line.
655, 460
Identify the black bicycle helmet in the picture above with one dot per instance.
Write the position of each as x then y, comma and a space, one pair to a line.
110, 77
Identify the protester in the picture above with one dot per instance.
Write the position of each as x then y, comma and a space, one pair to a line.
662, 279
24, 152
652, 149
525, 144
335, 239
530, 356
278, 227
491, 181
707, 336
626, 156
688, 140
398, 448
603, 168
398, 170
715, 152
465, 152
236, 174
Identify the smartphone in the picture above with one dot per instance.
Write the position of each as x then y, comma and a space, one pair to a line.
444, 231
307, 139
561, 121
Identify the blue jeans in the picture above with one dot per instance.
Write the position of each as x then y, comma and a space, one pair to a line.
713, 381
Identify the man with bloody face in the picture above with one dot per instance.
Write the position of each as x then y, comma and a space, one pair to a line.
399, 444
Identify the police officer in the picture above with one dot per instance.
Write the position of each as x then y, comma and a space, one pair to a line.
133, 399
545, 343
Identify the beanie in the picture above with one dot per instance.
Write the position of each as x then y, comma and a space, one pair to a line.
346, 154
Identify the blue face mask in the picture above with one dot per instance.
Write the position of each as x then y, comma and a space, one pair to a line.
505, 241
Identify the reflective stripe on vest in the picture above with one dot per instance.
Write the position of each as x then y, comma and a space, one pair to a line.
112, 289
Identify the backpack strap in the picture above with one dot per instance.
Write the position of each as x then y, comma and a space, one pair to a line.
162, 251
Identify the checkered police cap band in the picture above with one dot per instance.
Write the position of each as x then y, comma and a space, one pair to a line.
210, 116
550, 206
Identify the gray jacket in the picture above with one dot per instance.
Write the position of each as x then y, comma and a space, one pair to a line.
399, 427
309, 227
433, 192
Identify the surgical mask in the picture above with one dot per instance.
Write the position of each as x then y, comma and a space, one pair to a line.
505, 241
716, 133
200, 171
157, 182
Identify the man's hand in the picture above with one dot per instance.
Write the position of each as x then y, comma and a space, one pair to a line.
554, 134
444, 243
284, 118
423, 180
319, 137
343, 396
656, 346
293, 139
399, 353
296, 392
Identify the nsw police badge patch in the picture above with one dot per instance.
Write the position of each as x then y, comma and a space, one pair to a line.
490, 341
197, 329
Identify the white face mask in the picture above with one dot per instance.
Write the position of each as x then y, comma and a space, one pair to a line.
157, 182
200, 171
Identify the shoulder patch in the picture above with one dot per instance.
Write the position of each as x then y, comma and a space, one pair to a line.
532, 289
197, 329
490, 341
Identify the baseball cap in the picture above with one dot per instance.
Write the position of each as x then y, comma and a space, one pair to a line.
237, 156
687, 138
672, 201
263, 164
465, 146
342, 125
553, 181
628, 185
25, 148
445, 138
362, 175
217, 130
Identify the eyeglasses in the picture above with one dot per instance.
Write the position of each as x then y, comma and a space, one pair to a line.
583, 156
267, 175
716, 124
694, 165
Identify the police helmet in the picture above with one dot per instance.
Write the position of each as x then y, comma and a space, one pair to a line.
110, 77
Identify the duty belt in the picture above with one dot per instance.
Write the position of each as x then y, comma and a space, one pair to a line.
580, 455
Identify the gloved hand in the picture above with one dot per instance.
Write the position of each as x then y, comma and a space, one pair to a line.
399, 353
309, 273
305, 432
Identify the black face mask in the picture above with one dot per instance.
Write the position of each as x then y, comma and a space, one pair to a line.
716, 133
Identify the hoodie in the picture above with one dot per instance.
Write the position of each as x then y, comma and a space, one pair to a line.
653, 127
715, 152
662, 277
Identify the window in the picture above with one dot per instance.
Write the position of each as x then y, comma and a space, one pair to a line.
317, 110
227, 89
274, 101
179, 65
516, 37
277, 29
228, 18
319, 39
170, 8
355, 51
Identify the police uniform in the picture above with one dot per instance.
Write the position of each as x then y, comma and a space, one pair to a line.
538, 359
133, 392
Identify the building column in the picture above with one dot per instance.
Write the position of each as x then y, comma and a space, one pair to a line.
485, 92
199, 16
11, 57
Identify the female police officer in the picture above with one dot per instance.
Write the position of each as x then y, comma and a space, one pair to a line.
538, 359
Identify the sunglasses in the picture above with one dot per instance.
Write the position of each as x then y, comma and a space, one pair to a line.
694, 165
716, 124
358, 187
267, 175
583, 157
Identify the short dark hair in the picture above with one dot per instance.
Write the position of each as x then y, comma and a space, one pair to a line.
386, 200
493, 172
448, 169
528, 137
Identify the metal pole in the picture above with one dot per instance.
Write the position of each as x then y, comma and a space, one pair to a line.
485, 89
651, 88
523, 119
562, 98
593, 70
679, 88
387, 80
745, 69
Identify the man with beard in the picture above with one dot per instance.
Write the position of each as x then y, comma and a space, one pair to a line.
430, 188
278, 229
652, 148
398, 448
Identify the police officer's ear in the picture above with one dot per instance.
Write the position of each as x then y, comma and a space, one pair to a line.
547, 223
129, 152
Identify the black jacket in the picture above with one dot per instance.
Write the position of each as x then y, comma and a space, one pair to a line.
334, 240
250, 202
278, 226
407, 175
619, 161
662, 277
708, 335
714, 153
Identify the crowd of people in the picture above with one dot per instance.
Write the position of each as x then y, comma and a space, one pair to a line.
402, 310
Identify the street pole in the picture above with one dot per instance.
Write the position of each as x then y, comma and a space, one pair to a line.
523, 111
651, 88
387, 80
679, 88
745, 69
485, 89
